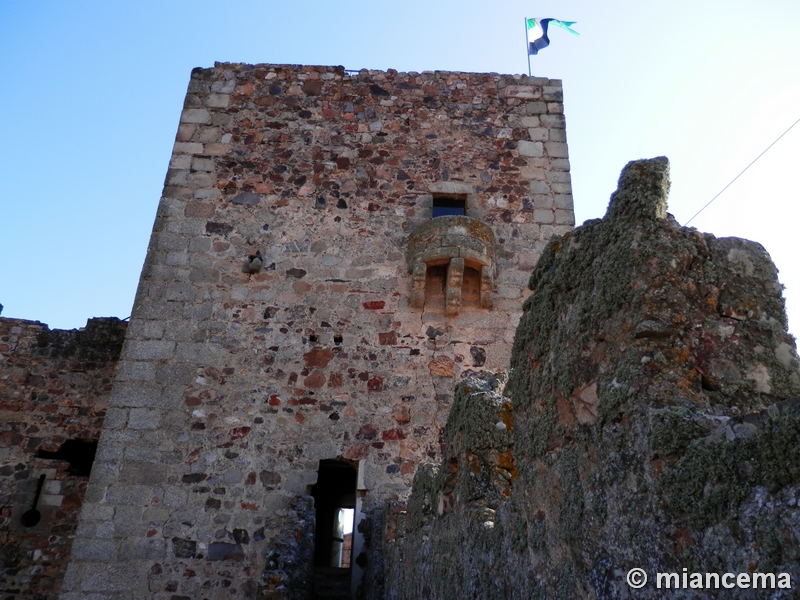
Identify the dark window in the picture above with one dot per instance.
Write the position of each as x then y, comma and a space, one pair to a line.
78, 453
449, 205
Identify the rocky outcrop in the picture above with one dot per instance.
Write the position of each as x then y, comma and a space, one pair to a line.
655, 425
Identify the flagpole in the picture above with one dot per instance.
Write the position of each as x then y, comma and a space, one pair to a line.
527, 47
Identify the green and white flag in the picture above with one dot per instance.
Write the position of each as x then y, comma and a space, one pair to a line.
537, 32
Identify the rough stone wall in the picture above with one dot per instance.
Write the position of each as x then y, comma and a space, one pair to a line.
239, 377
656, 424
54, 387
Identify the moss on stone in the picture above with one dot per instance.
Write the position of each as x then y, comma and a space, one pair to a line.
712, 479
572, 505
674, 428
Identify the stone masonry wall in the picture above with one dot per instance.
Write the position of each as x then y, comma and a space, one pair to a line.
238, 377
656, 425
54, 387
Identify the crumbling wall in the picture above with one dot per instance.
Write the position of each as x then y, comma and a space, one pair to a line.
655, 416
54, 387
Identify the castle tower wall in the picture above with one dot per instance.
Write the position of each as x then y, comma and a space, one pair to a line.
238, 378
54, 392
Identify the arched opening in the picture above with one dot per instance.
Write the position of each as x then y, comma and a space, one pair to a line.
335, 501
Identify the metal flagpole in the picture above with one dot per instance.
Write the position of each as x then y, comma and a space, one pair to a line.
527, 47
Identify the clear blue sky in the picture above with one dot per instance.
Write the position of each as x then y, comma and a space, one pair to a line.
91, 93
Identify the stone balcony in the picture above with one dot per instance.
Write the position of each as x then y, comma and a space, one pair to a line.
458, 242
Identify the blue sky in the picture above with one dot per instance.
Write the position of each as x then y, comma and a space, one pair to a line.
91, 93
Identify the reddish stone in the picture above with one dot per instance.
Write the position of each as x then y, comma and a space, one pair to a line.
249, 506
367, 432
374, 304
237, 433
199, 209
318, 357
315, 380
442, 366
312, 87
375, 384
401, 414
357, 452
335, 380
274, 400
393, 434
387, 339
251, 478
299, 418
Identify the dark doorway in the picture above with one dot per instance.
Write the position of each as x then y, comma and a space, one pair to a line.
335, 501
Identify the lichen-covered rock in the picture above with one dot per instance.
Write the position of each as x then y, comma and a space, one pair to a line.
436, 550
655, 424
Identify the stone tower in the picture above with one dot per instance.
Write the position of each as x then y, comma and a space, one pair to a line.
332, 252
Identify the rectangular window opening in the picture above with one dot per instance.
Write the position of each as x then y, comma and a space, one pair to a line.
444, 206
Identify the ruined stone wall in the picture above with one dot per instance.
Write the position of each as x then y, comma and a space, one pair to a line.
344, 342
54, 387
656, 425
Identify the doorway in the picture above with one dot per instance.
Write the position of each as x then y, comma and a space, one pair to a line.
335, 502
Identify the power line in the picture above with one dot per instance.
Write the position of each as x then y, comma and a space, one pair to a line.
743, 170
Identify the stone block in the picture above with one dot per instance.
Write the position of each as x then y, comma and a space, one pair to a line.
216, 149
564, 217
526, 148
112, 577
449, 187
143, 473
142, 549
93, 511
195, 115
217, 100
143, 418
535, 108
553, 121
187, 148
538, 134
543, 215
181, 292
180, 162
124, 494
553, 93
539, 187
135, 394
105, 472
94, 549
223, 87
556, 149
563, 201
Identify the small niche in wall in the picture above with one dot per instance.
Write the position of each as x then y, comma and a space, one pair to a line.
435, 282
444, 206
78, 453
471, 288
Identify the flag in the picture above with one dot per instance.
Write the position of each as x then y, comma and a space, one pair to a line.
537, 32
